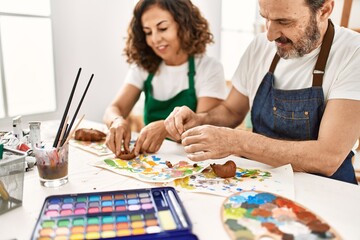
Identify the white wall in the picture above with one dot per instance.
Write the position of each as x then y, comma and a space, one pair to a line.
90, 34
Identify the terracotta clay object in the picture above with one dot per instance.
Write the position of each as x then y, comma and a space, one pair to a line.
227, 170
89, 134
168, 163
124, 155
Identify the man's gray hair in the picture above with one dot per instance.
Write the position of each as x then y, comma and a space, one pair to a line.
315, 5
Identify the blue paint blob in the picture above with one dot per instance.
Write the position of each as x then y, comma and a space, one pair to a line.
155, 158
237, 199
261, 198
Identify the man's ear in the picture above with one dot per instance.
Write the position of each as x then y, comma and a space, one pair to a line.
326, 9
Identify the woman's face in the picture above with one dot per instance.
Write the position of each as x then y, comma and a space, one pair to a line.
161, 33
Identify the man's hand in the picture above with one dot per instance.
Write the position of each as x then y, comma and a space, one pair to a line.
179, 120
208, 142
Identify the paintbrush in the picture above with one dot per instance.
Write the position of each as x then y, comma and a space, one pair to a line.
66, 109
76, 112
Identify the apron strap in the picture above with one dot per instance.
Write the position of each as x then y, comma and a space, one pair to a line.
191, 72
274, 63
319, 70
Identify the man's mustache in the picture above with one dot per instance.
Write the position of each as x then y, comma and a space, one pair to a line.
283, 40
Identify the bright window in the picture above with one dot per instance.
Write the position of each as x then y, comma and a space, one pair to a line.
26, 57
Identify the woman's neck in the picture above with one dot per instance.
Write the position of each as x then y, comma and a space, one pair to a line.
177, 60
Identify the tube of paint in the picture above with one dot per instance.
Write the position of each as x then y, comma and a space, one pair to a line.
17, 129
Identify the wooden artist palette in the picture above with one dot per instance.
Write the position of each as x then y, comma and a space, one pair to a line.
263, 215
152, 213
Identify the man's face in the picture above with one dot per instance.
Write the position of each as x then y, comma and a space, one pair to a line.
291, 25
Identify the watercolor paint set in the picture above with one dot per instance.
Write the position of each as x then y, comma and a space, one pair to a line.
150, 213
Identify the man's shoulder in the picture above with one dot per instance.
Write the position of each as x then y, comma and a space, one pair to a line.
346, 38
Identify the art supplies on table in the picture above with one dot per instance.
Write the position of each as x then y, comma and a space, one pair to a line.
12, 167
150, 213
264, 215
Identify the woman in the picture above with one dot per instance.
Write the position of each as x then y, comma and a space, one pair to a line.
166, 44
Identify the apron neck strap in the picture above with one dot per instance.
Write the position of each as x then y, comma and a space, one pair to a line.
274, 63
319, 69
192, 71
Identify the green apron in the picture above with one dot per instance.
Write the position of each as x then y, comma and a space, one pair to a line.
155, 110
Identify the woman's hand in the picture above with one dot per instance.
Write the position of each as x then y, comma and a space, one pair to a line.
119, 134
151, 137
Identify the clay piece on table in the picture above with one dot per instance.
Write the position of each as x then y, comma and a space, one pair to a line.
226, 170
89, 134
124, 155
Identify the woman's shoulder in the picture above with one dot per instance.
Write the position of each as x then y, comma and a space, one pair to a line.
205, 61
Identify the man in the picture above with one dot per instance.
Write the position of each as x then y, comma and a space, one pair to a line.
302, 85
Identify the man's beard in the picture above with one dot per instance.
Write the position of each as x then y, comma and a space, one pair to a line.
304, 45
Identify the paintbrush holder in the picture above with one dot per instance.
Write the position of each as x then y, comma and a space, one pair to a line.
52, 164
12, 170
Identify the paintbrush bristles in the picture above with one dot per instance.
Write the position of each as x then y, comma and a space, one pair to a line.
62, 132
72, 131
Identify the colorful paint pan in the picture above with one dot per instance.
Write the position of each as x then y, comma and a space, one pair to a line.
153, 213
263, 215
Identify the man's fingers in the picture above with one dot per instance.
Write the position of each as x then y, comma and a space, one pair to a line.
199, 156
170, 126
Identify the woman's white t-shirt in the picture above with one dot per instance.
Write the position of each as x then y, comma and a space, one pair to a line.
170, 80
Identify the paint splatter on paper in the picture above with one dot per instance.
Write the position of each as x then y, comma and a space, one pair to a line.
277, 180
263, 215
152, 168
97, 148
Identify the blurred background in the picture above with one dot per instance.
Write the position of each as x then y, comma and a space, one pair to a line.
43, 43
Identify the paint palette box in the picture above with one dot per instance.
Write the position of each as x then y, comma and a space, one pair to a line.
150, 213
12, 170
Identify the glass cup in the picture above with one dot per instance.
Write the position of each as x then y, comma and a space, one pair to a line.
52, 165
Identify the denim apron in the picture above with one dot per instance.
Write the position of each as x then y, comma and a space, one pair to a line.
296, 114
155, 110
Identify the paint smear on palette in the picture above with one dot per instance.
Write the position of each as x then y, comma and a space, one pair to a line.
152, 168
264, 215
277, 180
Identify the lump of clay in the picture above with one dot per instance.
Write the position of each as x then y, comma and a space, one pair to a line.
227, 170
124, 155
89, 134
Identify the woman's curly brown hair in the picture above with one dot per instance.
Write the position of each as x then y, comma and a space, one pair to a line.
193, 32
